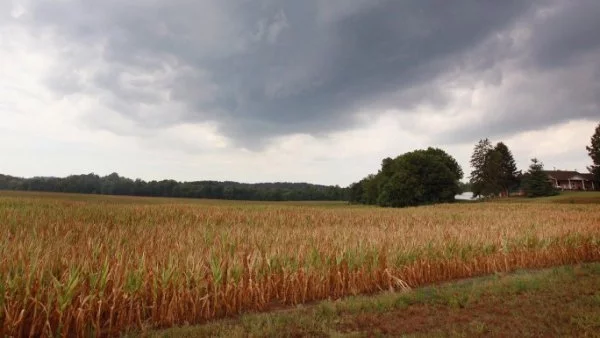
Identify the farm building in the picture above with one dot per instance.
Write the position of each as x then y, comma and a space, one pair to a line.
572, 180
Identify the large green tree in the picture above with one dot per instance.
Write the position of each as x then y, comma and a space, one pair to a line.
536, 183
415, 178
594, 152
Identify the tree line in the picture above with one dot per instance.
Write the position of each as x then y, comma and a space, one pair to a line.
114, 184
433, 176
414, 178
495, 173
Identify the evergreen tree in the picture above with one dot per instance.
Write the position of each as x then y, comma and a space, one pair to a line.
508, 174
479, 162
494, 169
594, 152
536, 183
492, 173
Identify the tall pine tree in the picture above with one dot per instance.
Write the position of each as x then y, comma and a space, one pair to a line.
536, 183
494, 170
594, 152
479, 161
508, 174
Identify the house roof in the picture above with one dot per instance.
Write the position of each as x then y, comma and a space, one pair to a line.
564, 175
587, 177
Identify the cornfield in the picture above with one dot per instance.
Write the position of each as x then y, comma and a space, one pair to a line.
101, 266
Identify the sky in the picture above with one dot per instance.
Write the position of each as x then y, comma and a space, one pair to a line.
313, 91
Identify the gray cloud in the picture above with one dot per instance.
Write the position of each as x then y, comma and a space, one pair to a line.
565, 33
268, 68
557, 66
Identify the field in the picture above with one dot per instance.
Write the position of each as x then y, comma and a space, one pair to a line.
98, 265
557, 302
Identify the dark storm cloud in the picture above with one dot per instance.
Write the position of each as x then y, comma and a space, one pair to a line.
563, 35
268, 68
560, 67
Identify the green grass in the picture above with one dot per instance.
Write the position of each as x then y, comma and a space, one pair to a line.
565, 197
563, 301
576, 197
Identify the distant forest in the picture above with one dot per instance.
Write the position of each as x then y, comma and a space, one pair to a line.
114, 184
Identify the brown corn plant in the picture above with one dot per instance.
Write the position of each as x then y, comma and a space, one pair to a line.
100, 266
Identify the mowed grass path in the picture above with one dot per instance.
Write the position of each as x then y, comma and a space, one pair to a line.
81, 265
565, 197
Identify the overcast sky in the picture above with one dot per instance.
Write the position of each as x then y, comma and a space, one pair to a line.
314, 90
